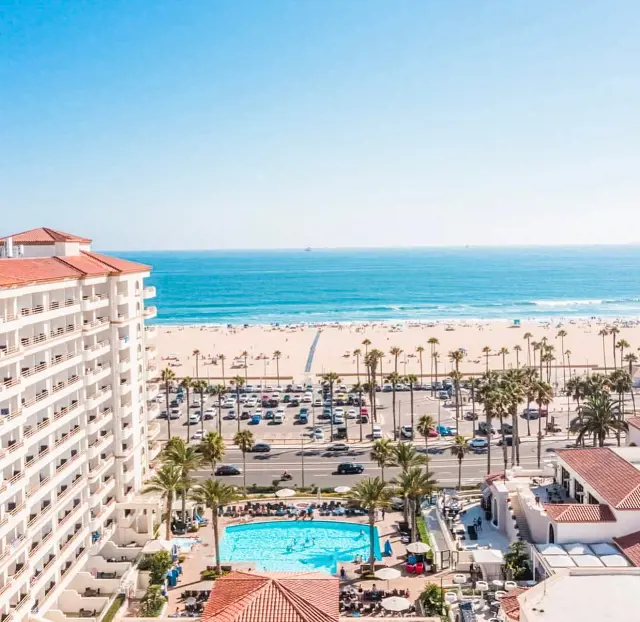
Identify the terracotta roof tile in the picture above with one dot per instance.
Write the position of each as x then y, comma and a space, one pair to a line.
630, 546
614, 479
118, 265
273, 597
579, 513
511, 604
44, 235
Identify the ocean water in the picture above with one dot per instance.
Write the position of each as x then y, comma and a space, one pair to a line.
293, 286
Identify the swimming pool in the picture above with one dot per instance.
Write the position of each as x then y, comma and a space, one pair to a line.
297, 546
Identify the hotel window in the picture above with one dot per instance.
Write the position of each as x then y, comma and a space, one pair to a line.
579, 495
566, 479
592, 500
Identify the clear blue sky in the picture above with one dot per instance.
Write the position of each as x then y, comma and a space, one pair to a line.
237, 124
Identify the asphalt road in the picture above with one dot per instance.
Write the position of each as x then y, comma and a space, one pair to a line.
320, 465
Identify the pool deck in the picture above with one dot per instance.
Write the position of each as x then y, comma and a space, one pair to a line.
201, 556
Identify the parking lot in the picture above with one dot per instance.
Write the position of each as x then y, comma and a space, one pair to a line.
279, 420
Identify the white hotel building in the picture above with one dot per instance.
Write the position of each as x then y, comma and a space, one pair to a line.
75, 423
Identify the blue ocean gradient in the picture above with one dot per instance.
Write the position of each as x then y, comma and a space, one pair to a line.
294, 286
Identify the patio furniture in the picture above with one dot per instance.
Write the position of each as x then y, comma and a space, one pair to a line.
510, 585
410, 568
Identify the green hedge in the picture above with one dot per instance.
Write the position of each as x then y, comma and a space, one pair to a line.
423, 531
115, 607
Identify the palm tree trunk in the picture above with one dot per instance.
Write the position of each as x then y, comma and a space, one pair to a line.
278, 369
421, 379
405, 509
244, 472
372, 554
331, 407
459, 472
360, 411
169, 511
504, 442
528, 420
412, 503
238, 405
604, 354
183, 496
488, 418
220, 414
224, 383
358, 368
426, 449
539, 447
382, 472
393, 387
166, 389
615, 362
517, 360
188, 407
201, 409
411, 397
216, 538
246, 370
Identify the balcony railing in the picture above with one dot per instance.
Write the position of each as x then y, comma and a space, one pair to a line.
11, 382
27, 342
7, 316
86, 325
9, 350
150, 312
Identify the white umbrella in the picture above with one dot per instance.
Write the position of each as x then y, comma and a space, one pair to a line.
387, 574
342, 489
396, 603
285, 492
418, 547
155, 546
190, 602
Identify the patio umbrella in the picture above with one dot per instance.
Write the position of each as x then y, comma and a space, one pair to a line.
190, 602
396, 603
418, 547
387, 574
285, 492
342, 489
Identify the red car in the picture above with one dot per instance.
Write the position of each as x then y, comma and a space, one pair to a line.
432, 433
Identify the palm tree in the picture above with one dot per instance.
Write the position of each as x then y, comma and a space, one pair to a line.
433, 342
411, 380
567, 353
598, 420
239, 382
603, 333
459, 450
528, 337
420, 351
201, 386
373, 495
543, 394
630, 358
380, 355
562, 334
535, 346
503, 352
488, 397
382, 454
167, 377
395, 352
426, 423
357, 353
456, 357
245, 355
436, 357
394, 378
212, 449
276, 355
187, 459
331, 378
186, 384
412, 485
621, 345
366, 343
371, 363
502, 405
486, 351
167, 481
406, 456
359, 389
621, 383
219, 391
196, 353
214, 495
614, 331
517, 349
244, 441
222, 359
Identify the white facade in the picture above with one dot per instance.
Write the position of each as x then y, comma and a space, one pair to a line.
74, 359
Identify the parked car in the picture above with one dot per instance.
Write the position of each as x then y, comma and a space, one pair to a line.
406, 431
209, 414
508, 441
506, 427
278, 418
531, 414
338, 447
194, 418
317, 434
228, 469
347, 468
255, 419
485, 428
198, 436
445, 430
376, 431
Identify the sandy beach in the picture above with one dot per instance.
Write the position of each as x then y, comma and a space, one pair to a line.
335, 344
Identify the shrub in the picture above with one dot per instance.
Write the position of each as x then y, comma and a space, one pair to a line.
152, 602
159, 564
115, 607
431, 599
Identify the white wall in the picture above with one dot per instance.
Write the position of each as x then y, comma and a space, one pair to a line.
537, 518
70, 601
84, 580
633, 436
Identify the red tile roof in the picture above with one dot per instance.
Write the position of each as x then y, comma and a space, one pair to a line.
614, 479
511, 604
24, 271
634, 422
44, 236
579, 513
493, 477
630, 546
273, 597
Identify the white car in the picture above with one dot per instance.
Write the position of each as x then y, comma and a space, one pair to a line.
194, 418
317, 434
198, 436
244, 398
195, 404
478, 443
269, 389
317, 402
209, 413
280, 411
352, 414
307, 398
252, 403
229, 404
338, 412
376, 431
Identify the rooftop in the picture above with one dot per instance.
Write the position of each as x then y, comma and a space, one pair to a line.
614, 479
630, 546
274, 597
579, 513
43, 236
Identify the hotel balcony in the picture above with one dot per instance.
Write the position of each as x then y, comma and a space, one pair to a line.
153, 431
97, 301
124, 343
153, 410
97, 398
149, 292
94, 326
124, 366
54, 309
10, 387
40, 372
97, 422
98, 446
8, 320
150, 313
154, 450
153, 388
151, 351
103, 466
7, 352
97, 349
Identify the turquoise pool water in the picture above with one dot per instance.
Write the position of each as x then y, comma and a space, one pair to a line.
296, 546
